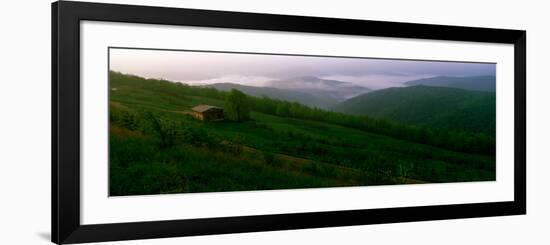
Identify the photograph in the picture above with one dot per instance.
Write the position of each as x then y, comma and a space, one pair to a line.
169, 121
185, 121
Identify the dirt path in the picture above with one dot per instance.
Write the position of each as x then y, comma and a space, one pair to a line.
298, 160
305, 161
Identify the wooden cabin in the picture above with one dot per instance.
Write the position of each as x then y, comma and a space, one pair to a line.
208, 113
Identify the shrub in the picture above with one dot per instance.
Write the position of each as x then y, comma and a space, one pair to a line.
269, 158
124, 118
164, 129
235, 146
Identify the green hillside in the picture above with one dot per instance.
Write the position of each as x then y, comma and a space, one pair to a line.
156, 147
437, 107
476, 83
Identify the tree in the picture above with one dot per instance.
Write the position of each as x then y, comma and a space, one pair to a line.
237, 106
165, 129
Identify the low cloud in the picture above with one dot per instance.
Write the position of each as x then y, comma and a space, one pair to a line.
257, 81
378, 81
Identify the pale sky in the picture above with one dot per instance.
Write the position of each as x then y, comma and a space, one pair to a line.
258, 70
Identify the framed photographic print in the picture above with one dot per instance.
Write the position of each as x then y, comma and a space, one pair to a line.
176, 122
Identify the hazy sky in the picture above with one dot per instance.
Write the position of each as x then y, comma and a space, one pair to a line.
258, 70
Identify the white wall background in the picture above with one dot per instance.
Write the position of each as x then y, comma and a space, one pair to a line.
25, 121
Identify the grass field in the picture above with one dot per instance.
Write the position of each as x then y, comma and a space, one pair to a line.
156, 147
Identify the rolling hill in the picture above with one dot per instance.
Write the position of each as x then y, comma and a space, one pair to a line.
308, 90
157, 147
437, 107
281, 94
476, 83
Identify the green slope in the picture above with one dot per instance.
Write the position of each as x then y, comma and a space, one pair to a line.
438, 107
267, 152
476, 83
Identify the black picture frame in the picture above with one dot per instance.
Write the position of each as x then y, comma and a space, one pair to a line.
66, 17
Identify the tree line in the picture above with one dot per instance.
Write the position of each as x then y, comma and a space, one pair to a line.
238, 106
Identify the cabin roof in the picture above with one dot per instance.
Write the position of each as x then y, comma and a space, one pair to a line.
203, 108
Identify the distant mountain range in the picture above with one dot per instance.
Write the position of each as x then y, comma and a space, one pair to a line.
438, 107
308, 90
281, 94
454, 103
476, 83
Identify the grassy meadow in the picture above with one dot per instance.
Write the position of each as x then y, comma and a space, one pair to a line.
156, 147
